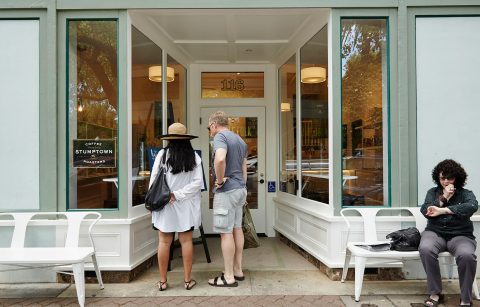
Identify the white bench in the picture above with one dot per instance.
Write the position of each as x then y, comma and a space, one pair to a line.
368, 215
22, 258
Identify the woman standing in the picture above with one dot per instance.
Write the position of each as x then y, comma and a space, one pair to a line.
448, 208
183, 213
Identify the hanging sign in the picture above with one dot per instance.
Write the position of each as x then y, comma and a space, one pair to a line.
94, 153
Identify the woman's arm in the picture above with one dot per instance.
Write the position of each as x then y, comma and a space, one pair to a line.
193, 187
467, 208
430, 200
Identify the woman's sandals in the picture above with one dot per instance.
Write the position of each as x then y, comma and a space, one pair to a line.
430, 302
162, 285
190, 284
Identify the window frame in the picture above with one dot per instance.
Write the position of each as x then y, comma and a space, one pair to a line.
390, 104
62, 91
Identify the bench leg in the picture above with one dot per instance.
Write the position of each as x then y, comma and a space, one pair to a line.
79, 274
97, 271
348, 255
451, 263
359, 271
475, 289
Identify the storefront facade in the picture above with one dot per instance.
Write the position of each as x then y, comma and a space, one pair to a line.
372, 83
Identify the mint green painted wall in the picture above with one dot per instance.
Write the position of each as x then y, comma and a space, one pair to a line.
47, 112
402, 78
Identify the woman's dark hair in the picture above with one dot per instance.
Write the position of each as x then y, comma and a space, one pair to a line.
181, 156
450, 169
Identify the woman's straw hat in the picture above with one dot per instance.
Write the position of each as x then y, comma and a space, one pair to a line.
177, 131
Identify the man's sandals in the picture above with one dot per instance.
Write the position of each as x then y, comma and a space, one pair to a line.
190, 284
430, 302
224, 283
237, 278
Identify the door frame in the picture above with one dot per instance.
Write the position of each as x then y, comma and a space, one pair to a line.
259, 214
269, 101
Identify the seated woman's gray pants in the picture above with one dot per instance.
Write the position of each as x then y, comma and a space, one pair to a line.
463, 248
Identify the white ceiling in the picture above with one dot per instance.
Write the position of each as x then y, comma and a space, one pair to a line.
230, 36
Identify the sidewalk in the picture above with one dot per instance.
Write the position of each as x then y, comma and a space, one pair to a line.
276, 276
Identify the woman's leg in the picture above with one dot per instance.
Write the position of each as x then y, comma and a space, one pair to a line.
185, 239
430, 246
463, 249
164, 242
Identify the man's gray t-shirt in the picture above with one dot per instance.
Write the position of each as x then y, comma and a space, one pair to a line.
236, 153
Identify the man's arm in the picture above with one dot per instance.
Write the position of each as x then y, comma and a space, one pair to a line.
219, 163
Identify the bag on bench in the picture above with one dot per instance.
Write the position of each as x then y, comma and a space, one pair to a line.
404, 240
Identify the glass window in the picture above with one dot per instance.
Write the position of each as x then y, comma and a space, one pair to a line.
92, 114
364, 111
314, 112
176, 92
232, 85
246, 128
288, 127
146, 111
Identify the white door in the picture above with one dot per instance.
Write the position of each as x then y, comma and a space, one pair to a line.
249, 123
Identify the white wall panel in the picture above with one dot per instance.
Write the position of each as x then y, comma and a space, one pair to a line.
448, 96
19, 115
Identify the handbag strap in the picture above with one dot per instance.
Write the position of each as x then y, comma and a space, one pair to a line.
163, 163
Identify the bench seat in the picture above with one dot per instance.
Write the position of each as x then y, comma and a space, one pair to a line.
18, 257
45, 255
360, 255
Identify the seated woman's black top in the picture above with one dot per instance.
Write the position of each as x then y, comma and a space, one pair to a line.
463, 204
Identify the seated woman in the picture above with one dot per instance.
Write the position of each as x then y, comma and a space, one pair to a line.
448, 208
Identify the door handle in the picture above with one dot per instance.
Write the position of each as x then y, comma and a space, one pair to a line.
262, 181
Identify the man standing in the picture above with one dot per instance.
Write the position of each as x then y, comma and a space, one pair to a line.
230, 175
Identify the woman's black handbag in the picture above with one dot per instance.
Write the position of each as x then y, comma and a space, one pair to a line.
158, 195
404, 240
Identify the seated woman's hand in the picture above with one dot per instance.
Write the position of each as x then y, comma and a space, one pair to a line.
434, 211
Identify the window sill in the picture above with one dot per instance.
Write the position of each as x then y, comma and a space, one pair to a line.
310, 207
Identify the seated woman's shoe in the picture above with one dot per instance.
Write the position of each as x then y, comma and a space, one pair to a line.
162, 285
429, 302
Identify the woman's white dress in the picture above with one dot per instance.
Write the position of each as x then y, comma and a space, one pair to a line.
185, 212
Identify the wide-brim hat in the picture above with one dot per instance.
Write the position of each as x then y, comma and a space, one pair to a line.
177, 131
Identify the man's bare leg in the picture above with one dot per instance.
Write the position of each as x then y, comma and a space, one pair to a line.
228, 251
239, 241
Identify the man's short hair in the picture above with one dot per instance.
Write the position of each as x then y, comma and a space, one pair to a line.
220, 118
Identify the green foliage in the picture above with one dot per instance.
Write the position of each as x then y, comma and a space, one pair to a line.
363, 50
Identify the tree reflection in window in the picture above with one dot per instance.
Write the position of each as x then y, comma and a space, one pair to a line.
93, 107
96, 86
364, 102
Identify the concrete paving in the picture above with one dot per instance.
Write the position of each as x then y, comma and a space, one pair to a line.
275, 276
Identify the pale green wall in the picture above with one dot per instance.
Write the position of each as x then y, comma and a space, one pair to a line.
52, 128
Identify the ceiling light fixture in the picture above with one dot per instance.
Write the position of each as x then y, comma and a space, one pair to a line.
155, 74
313, 75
